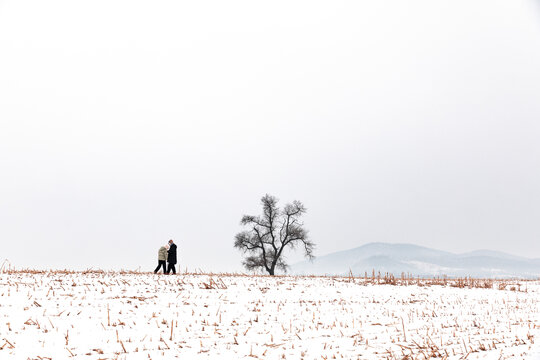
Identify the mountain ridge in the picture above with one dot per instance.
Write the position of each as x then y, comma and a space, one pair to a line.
397, 258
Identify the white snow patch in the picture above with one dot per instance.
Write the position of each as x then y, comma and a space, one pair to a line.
432, 269
141, 316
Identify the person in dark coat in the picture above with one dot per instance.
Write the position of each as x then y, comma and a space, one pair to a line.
171, 257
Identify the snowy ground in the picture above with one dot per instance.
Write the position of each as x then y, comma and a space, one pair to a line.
147, 316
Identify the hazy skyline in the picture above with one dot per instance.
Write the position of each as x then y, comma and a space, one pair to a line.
126, 123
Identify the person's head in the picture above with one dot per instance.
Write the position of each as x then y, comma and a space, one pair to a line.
170, 242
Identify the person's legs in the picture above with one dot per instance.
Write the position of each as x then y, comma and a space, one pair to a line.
161, 263
168, 268
173, 268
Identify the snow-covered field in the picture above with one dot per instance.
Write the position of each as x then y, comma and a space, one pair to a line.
147, 316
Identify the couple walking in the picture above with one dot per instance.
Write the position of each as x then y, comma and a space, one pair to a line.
167, 253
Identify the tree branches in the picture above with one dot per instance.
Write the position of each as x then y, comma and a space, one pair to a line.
271, 233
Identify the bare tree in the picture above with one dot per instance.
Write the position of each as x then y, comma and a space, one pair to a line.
268, 235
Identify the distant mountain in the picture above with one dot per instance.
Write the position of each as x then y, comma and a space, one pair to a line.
419, 261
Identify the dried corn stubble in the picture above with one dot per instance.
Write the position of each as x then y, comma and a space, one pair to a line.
132, 315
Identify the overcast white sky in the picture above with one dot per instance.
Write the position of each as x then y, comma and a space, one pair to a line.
126, 123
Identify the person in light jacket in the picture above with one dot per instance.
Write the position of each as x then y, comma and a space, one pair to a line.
171, 257
162, 258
